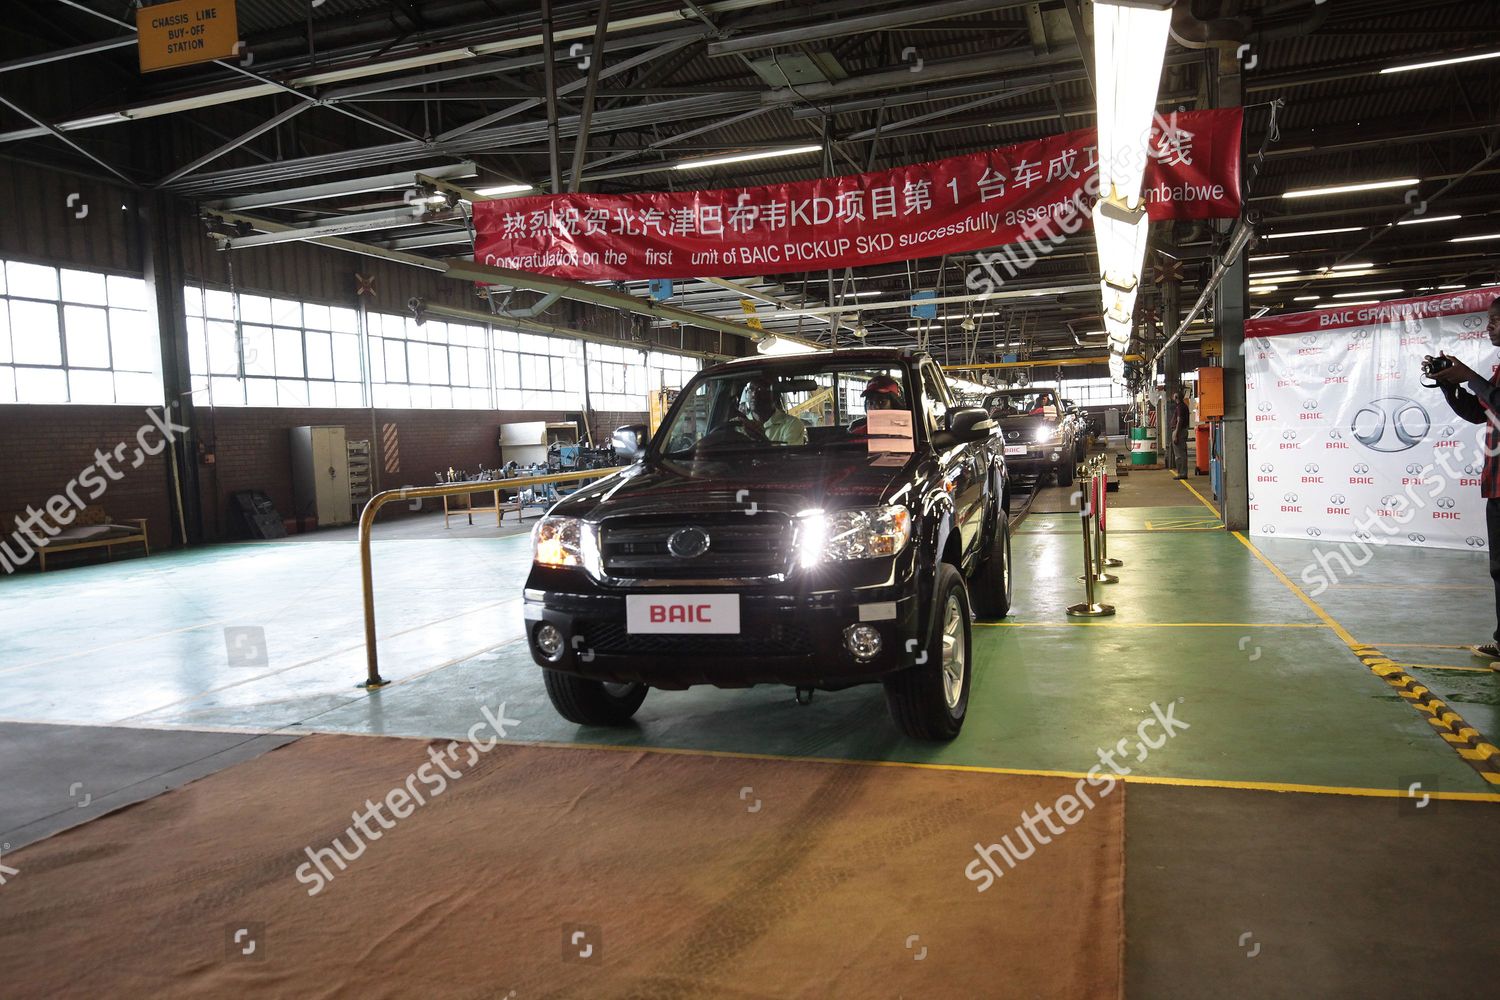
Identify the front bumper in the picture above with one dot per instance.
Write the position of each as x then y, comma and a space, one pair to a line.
784, 638
1040, 458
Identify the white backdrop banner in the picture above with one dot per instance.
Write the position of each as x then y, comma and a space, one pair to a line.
1346, 444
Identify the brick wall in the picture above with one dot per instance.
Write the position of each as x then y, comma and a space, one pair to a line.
43, 448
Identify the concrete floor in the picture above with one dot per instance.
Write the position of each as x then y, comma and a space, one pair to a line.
264, 639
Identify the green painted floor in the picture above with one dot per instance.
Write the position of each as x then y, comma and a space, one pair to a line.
265, 637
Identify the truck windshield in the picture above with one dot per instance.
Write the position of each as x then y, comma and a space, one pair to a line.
1021, 403
812, 406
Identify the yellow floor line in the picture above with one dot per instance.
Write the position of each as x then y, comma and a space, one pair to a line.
1447, 666
1151, 624
1259, 786
1416, 645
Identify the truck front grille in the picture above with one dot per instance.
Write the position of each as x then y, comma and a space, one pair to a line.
740, 547
780, 639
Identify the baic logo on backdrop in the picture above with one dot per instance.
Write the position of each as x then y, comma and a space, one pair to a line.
1338, 414
1391, 423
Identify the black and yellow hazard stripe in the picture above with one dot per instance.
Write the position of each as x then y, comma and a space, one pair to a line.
1469, 742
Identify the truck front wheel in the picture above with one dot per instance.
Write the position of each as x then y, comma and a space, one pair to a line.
592, 703
928, 701
991, 589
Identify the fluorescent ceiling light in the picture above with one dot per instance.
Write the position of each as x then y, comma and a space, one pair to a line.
1307, 298
764, 154
1475, 239
1270, 256
1352, 188
1430, 218
1453, 288
1262, 289
1349, 267
489, 192
1454, 61
858, 295
1312, 232
1362, 302
1370, 291
1273, 274
1325, 275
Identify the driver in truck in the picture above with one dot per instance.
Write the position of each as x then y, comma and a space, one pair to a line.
760, 402
884, 393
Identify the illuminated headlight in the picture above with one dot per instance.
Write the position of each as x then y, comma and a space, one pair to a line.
867, 533
558, 541
1045, 434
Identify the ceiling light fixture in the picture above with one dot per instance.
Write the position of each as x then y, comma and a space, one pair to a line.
1369, 291
499, 189
1453, 288
1453, 61
1307, 298
1475, 239
1404, 182
1271, 256
1130, 44
1311, 232
1273, 274
764, 154
1430, 218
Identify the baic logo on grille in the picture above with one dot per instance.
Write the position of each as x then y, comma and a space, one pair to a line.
688, 543
1391, 423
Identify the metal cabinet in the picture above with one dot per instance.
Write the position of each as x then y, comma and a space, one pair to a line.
320, 475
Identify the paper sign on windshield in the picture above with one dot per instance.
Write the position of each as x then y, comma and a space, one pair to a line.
889, 430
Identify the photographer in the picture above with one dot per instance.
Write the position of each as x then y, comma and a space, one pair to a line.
1477, 400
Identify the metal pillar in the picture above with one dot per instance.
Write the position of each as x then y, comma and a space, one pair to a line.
160, 216
1229, 321
1171, 313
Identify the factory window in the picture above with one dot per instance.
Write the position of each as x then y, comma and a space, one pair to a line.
434, 364
287, 353
669, 371
71, 336
1094, 392
536, 372
617, 377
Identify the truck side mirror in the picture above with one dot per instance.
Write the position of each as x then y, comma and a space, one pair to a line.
630, 441
964, 425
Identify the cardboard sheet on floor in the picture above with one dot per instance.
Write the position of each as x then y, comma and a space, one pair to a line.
689, 875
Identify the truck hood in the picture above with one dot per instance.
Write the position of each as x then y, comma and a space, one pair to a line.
785, 482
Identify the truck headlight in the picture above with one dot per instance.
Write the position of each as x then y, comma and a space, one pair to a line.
865, 533
1046, 434
557, 541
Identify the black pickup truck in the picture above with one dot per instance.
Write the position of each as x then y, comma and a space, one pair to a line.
817, 520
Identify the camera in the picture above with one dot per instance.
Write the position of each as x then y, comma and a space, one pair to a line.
1431, 366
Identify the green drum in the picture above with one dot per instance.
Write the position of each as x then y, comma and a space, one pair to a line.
1142, 446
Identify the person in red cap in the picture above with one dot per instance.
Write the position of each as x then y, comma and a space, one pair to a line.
884, 393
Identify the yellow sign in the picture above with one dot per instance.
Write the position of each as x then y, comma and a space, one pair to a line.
184, 32
748, 305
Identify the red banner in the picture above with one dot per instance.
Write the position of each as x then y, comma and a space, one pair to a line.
1410, 311
960, 204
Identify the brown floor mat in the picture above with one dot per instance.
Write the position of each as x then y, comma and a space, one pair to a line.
682, 875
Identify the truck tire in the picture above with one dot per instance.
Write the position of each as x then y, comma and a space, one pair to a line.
1065, 471
928, 701
592, 703
990, 588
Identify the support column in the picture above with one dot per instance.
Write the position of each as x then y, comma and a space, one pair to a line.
1229, 322
1171, 316
162, 262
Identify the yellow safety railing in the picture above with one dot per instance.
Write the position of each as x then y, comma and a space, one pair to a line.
379, 500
